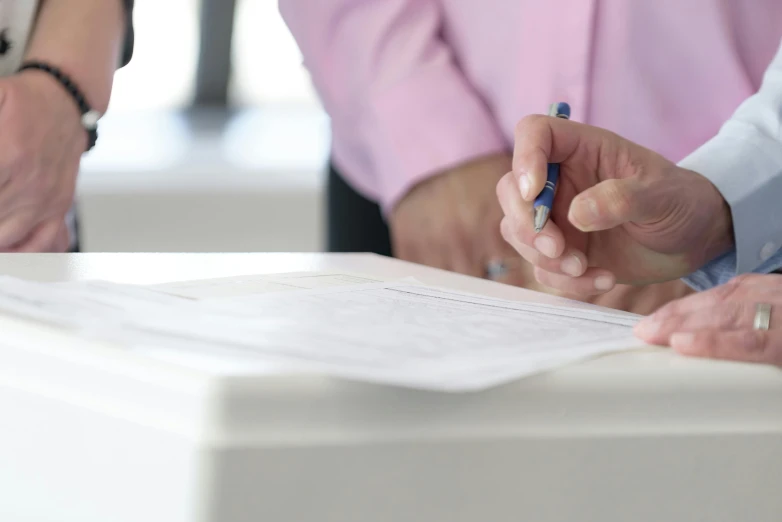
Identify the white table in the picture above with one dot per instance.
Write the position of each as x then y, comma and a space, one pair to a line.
90, 434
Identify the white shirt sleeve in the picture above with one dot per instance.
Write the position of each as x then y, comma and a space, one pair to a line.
744, 161
17, 18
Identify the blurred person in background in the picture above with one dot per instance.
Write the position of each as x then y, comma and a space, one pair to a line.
57, 62
424, 96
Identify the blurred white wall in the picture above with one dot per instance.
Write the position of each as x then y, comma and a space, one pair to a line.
168, 177
206, 182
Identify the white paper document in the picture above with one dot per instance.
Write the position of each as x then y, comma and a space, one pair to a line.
261, 284
395, 333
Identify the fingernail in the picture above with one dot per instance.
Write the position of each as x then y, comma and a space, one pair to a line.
584, 213
524, 186
604, 283
546, 246
683, 341
572, 266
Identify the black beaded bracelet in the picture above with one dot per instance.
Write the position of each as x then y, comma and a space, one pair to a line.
89, 117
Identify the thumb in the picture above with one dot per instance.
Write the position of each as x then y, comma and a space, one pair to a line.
608, 204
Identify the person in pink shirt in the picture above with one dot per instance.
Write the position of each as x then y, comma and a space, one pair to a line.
424, 95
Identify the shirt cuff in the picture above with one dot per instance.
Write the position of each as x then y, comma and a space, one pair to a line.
723, 269
430, 122
746, 167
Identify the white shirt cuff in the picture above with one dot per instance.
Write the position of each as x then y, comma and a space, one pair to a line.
746, 167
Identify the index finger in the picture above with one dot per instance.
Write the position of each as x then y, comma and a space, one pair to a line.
540, 140
755, 346
748, 287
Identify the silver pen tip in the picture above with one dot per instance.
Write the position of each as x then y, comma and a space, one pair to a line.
541, 215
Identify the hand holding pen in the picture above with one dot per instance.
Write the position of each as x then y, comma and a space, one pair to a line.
623, 213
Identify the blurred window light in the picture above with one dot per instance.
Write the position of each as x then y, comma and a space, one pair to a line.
267, 64
162, 73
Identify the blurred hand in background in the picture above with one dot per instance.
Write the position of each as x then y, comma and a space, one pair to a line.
452, 220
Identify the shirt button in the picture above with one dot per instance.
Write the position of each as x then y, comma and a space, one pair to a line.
768, 250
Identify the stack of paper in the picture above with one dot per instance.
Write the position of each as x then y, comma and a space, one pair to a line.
401, 333
261, 284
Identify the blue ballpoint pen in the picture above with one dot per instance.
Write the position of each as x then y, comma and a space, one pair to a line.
545, 200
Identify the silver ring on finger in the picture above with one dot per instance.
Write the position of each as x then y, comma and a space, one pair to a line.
762, 316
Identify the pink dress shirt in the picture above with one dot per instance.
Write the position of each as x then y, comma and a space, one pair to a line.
417, 86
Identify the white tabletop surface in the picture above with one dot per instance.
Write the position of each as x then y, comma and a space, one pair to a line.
604, 390
643, 435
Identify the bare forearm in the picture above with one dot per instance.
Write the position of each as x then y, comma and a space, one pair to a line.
84, 38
